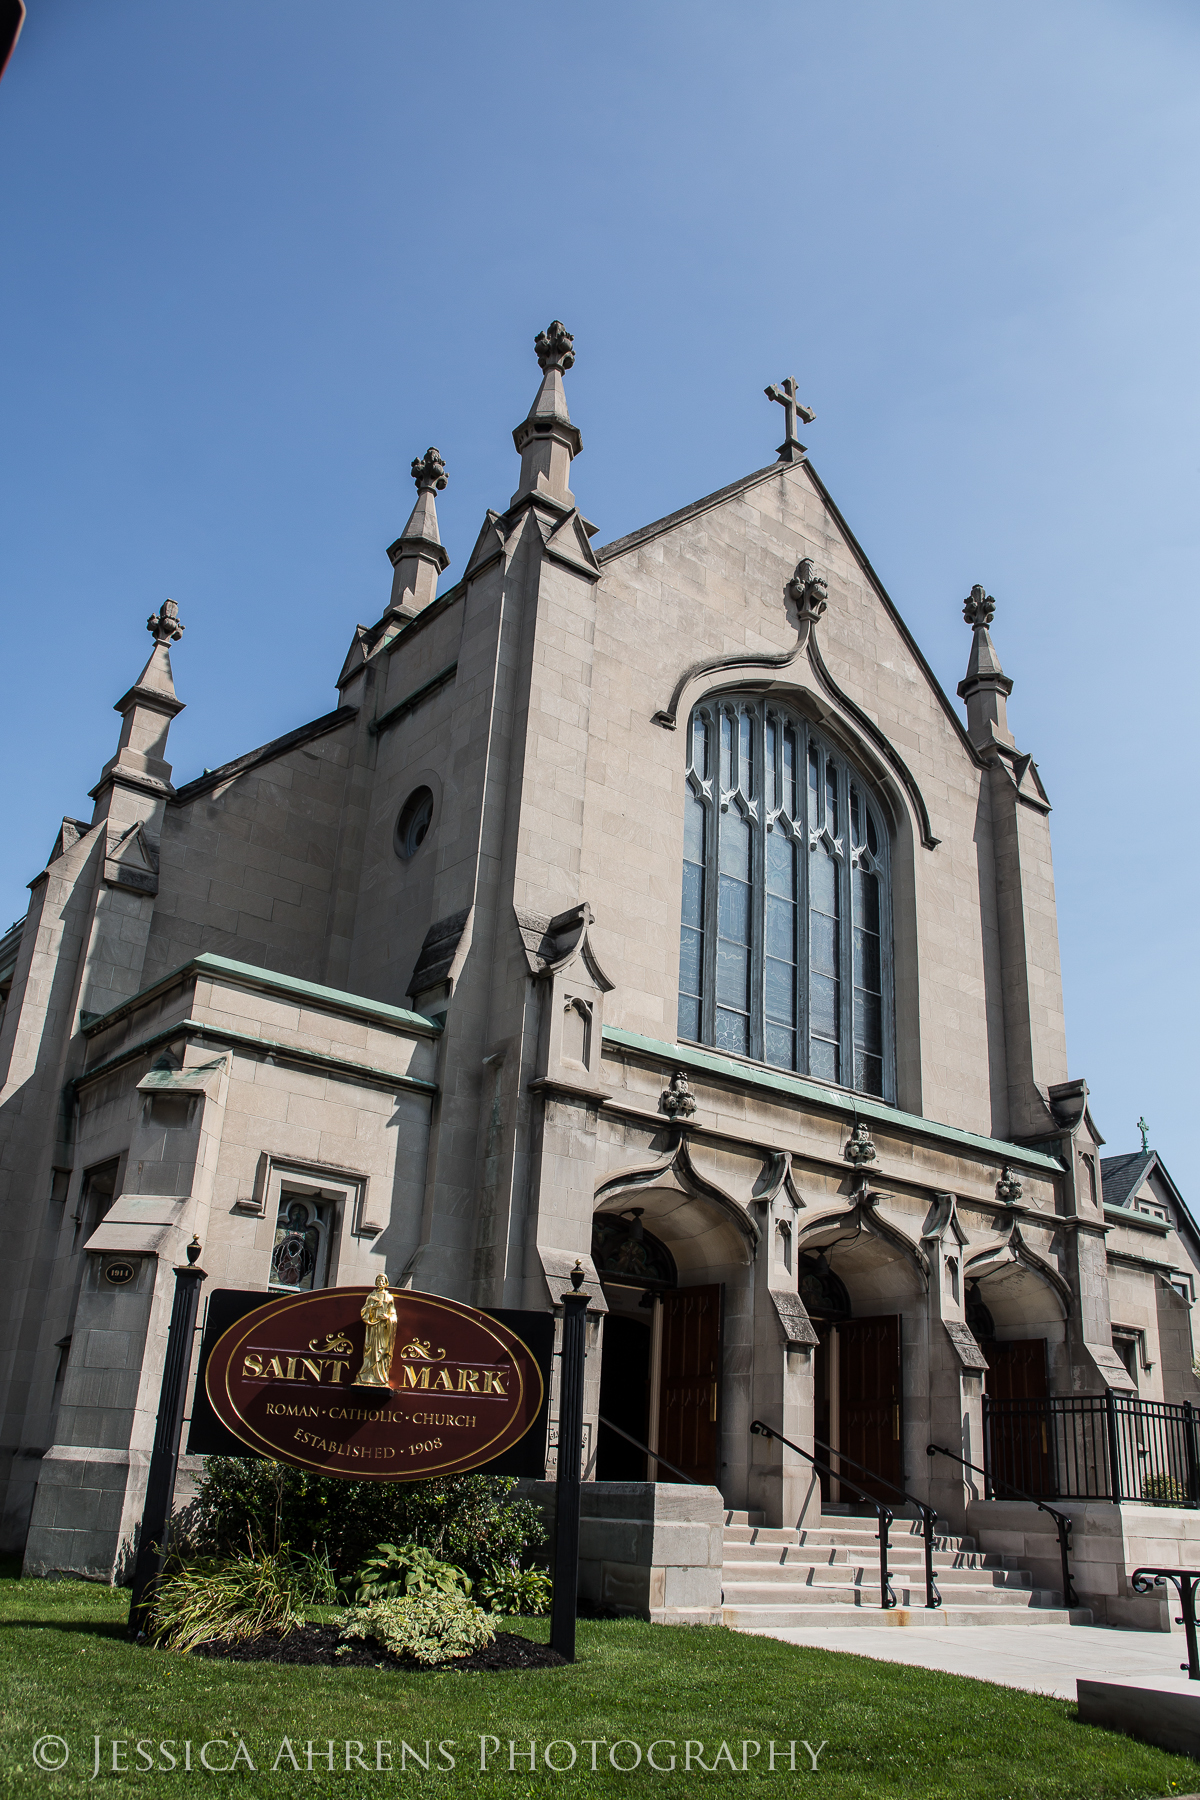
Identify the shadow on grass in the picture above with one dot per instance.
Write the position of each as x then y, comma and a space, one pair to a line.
90, 1627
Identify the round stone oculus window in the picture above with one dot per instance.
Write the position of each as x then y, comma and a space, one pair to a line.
412, 827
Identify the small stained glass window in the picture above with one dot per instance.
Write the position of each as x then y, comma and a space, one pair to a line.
300, 1255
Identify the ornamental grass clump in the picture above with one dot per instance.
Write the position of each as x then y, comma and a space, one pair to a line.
426, 1629
224, 1602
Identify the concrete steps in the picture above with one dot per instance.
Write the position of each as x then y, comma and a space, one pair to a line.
827, 1577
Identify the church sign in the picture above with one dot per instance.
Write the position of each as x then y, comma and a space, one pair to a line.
374, 1383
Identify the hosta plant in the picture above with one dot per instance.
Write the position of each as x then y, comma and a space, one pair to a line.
428, 1628
398, 1571
507, 1588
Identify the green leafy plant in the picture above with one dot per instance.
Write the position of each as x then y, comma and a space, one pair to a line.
223, 1601
1166, 1490
397, 1571
507, 1588
428, 1628
314, 1577
468, 1520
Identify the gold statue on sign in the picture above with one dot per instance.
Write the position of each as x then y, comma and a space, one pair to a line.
379, 1316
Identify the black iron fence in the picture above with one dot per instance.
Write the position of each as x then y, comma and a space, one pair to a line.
1093, 1447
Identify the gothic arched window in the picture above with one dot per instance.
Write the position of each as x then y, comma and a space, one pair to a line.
785, 945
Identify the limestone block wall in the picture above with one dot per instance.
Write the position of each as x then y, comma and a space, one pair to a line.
247, 864
1107, 1544
651, 1549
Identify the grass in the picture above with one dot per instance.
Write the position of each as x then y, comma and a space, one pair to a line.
66, 1667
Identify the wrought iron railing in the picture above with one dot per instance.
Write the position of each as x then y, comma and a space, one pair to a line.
1107, 1446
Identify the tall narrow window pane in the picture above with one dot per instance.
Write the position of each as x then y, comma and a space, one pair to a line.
789, 773
824, 982
746, 758
831, 799
779, 943
733, 935
691, 934
868, 985
771, 760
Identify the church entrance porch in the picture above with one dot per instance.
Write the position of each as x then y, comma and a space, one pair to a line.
661, 1378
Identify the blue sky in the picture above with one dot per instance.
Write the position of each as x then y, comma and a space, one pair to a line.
257, 255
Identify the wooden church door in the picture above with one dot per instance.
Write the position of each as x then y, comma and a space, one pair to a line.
1020, 1438
870, 1391
690, 1383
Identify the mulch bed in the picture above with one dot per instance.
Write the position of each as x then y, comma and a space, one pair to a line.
320, 1644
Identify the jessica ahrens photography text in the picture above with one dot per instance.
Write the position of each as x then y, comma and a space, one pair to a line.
489, 1752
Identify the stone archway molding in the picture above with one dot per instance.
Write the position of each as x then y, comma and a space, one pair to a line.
676, 1169
1002, 1252
864, 1207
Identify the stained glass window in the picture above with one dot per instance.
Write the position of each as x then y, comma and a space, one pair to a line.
785, 944
300, 1255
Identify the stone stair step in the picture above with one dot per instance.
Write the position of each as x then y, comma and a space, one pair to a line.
760, 1593
825, 1618
825, 1574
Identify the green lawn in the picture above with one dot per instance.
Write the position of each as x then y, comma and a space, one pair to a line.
66, 1668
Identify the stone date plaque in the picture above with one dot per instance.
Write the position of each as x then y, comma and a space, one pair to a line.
374, 1384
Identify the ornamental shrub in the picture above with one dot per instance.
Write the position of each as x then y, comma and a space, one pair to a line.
507, 1588
429, 1628
1164, 1490
397, 1571
468, 1520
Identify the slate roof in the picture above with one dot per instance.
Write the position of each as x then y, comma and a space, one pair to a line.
1123, 1175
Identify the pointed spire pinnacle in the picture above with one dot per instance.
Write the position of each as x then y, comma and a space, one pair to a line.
985, 687
417, 555
546, 438
146, 713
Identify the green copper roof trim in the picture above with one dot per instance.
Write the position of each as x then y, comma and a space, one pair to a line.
796, 1087
267, 981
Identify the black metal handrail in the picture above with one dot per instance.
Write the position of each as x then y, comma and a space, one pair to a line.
1142, 1580
1062, 1520
638, 1445
885, 1515
928, 1516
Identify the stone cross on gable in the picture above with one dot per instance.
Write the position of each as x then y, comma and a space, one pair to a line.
785, 394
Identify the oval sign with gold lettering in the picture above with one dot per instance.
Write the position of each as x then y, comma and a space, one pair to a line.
378, 1383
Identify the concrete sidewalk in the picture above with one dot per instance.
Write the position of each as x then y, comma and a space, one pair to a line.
1046, 1661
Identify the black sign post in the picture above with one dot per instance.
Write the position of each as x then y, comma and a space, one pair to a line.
164, 1460
570, 1445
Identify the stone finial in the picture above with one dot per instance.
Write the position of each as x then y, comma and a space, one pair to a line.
859, 1147
1009, 1187
985, 687
678, 1100
979, 608
546, 439
555, 347
429, 471
164, 627
809, 590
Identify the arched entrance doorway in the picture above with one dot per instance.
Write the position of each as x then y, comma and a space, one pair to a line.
1018, 1318
860, 1291
675, 1268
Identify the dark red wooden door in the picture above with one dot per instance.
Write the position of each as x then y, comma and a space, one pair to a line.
690, 1382
869, 1380
1020, 1437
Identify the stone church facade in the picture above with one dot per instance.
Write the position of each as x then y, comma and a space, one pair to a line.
648, 905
